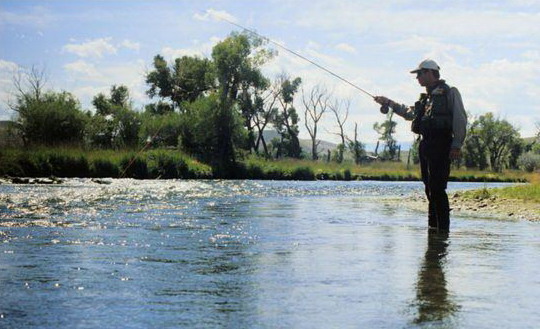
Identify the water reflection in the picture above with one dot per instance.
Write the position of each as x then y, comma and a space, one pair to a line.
432, 297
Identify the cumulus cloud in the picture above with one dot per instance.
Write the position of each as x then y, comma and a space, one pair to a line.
203, 49
7, 66
130, 45
7, 71
85, 79
95, 48
83, 69
35, 16
346, 48
212, 14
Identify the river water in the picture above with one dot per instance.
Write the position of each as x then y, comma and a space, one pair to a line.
256, 254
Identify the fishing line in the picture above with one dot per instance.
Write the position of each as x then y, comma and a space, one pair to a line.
298, 55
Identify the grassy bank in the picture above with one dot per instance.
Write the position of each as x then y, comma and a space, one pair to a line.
519, 201
69, 162
166, 163
528, 192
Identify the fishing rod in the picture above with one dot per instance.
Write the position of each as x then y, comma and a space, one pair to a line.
298, 55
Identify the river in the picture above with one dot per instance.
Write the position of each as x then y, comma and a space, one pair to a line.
256, 254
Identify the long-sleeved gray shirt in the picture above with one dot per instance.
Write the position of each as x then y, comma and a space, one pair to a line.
455, 103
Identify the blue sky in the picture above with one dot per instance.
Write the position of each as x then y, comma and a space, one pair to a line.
489, 50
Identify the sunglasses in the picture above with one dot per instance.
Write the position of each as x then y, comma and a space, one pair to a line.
419, 73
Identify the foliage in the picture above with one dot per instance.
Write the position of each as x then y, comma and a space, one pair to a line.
491, 140
286, 121
161, 129
529, 161
187, 79
386, 129
200, 135
50, 118
115, 124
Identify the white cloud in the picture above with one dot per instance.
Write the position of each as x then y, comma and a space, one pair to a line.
92, 48
212, 14
130, 45
7, 71
385, 20
346, 48
86, 80
7, 66
36, 16
429, 46
198, 49
83, 69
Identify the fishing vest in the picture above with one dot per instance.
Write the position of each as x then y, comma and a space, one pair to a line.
433, 117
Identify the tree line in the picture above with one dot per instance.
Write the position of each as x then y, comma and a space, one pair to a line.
217, 109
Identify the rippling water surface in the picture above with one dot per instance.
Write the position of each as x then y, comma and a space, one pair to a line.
256, 254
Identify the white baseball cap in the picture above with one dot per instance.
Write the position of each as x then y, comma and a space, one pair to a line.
427, 64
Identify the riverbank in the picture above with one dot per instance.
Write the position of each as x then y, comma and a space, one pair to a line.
172, 164
521, 202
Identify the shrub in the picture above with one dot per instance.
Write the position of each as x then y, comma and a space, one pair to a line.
303, 173
134, 167
68, 166
104, 168
529, 162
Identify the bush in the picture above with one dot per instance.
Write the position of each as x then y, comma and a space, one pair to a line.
134, 167
347, 174
54, 118
529, 162
303, 173
104, 168
63, 165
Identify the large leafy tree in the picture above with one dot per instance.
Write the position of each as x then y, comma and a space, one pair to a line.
115, 124
286, 120
185, 80
45, 117
55, 118
491, 140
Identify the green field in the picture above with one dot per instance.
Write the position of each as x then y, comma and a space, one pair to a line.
168, 163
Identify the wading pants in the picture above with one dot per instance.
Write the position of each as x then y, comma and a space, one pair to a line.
435, 168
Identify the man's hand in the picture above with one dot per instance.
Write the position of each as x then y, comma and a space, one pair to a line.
382, 100
455, 153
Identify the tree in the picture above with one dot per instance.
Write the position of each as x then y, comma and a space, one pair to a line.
265, 109
357, 148
115, 124
187, 79
315, 105
386, 129
490, 140
45, 117
341, 114
286, 120
56, 118
233, 67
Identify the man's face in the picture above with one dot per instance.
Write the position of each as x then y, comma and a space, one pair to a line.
422, 77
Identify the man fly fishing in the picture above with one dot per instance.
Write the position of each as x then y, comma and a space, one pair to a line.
440, 119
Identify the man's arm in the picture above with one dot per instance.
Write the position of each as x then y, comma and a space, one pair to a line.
402, 110
459, 124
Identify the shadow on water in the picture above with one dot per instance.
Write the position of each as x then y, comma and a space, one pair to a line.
433, 300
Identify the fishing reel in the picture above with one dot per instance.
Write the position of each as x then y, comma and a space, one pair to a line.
385, 108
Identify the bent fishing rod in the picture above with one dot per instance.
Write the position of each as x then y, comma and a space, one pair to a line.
298, 55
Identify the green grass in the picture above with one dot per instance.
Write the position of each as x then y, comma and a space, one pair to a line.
75, 162
526, 192
167, 163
